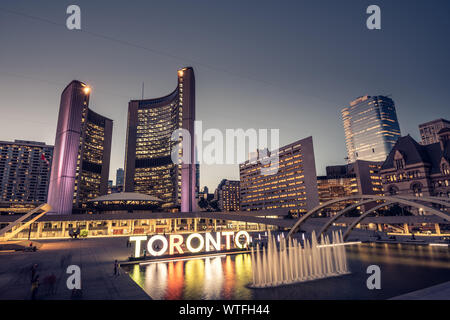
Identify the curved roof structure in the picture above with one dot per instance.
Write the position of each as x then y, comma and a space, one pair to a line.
126, 196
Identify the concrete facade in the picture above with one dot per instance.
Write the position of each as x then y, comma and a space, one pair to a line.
292, 186
24, 172
429, 130
82, 152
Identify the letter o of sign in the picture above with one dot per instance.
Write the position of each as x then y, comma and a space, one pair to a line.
238, 235
160, 251
189, 240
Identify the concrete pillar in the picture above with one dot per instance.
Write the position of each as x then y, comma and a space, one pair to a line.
379, 228
215, 225
195, 225
39, 230
131, 226
63, 229
405, 226
438, 229
109, 223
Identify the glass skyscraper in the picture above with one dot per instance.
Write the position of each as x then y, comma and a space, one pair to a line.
371, 128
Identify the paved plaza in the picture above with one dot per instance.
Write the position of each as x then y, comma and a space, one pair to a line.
95, 258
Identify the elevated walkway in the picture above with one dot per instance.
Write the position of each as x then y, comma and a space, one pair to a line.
5, 235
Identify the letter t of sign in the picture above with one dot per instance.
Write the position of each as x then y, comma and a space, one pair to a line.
137, 247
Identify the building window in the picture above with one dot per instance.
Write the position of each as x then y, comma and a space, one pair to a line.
417, 189
399, 164
445, 169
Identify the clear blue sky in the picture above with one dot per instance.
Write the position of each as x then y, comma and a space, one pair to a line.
290, 65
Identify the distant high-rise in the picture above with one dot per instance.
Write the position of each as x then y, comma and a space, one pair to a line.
82, 152
429, 130
228, 193
119, 177
149, 168
24, 171
371, 128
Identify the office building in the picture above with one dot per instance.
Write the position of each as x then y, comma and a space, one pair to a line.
429, 130
24, 174
119, 177
149, 168
228, 193
358, 178
371, 128
293, 185
82, 152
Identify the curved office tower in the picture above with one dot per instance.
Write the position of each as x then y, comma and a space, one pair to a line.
148, 164
82, 152
371, 128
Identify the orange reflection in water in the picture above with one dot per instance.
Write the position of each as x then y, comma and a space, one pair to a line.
175, 280
229, 278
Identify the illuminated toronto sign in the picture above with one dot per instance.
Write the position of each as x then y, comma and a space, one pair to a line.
159, 245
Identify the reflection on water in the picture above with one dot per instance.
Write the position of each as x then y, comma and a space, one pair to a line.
405, 268
212, 278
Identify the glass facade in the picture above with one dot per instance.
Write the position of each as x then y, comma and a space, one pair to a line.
149, 168
155, 173
88, 181
371, 128
110, 225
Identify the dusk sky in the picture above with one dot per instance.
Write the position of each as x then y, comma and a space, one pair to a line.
291, 65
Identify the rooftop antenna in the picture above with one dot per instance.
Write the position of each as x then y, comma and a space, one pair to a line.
142, 96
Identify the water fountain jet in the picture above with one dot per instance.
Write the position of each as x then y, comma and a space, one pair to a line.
290, 262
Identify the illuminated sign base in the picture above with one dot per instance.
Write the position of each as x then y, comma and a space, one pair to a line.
159, 245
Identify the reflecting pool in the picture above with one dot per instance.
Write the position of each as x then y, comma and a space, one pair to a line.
404, 268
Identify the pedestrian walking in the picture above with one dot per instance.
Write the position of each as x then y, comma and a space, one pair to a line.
49, 283
34, 287
33, 272
116, 268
